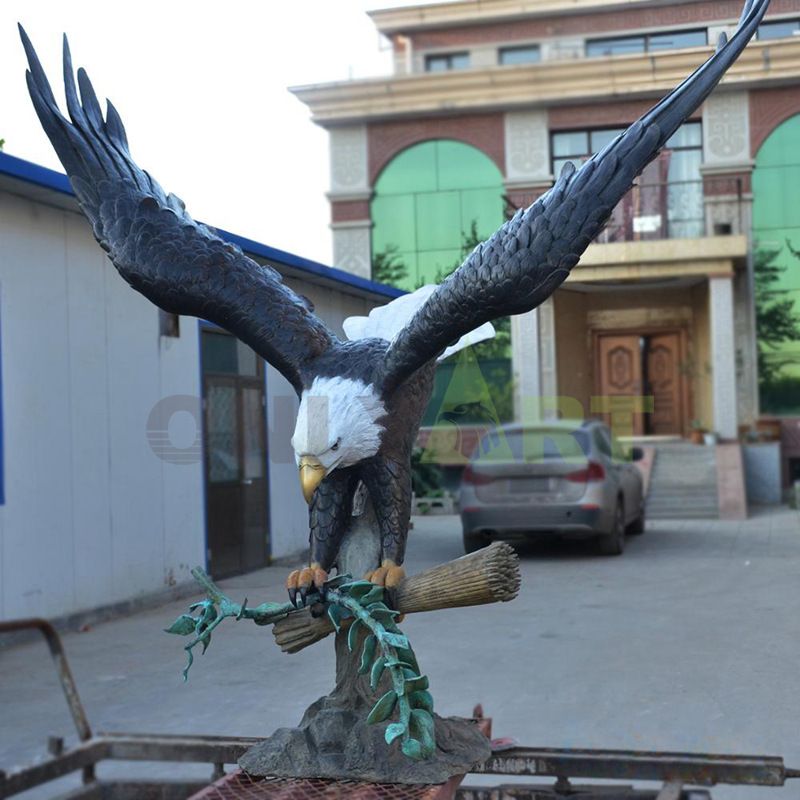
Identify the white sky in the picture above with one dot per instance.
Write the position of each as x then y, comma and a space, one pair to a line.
201, 88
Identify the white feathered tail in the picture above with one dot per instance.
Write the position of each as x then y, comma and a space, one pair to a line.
385, 322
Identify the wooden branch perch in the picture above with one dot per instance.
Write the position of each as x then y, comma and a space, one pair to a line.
490, 575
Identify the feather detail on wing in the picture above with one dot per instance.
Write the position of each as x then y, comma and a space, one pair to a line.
526, 260
386, 322
180, 265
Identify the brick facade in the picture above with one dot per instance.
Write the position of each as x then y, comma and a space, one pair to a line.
349, 210
578, 24
768, 108
386, 139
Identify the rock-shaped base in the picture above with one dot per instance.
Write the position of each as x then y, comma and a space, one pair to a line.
334, 740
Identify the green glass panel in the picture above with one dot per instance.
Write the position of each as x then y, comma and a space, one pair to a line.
776, 227
394, 223
484, 206
433, 265
438, 220
413, 170
461, 166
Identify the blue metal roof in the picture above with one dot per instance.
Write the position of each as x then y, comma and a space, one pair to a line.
58, 182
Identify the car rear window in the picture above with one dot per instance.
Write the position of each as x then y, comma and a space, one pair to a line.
533, 445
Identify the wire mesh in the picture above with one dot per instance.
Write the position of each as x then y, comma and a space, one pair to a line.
240, 786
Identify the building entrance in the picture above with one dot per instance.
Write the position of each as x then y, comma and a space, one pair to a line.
235, 456
645, 364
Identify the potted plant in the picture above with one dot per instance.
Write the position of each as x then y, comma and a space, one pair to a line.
698, 432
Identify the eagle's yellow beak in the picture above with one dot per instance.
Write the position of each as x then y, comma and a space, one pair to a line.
311, 475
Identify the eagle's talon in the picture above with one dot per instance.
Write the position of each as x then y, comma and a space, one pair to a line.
305, 582
388, 574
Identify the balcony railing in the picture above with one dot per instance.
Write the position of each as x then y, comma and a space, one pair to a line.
676, 210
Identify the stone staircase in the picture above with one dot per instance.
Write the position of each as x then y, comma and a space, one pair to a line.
683, 483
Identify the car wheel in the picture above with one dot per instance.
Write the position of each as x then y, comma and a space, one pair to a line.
474, 541
636, 528
613, 543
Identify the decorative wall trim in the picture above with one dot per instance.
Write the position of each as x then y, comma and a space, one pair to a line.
527, 144
352, 251
348, 151
726, 128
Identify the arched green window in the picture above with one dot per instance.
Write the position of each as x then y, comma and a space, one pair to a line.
776, 233
425, 203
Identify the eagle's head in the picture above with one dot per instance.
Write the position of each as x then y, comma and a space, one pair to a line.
338, 425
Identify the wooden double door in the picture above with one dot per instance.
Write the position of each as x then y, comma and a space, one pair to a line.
645, 365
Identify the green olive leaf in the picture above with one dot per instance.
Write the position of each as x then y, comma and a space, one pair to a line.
352, 635
368, 653
335, 616
421, 727
393, 731
374, 595
396, 640
357, 589
377, 672
421, 699
383, 708
413, 749
416, 684
183, 626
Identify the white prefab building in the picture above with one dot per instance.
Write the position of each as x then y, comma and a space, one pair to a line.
133, 445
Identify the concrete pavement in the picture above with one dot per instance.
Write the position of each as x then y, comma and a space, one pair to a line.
689, 641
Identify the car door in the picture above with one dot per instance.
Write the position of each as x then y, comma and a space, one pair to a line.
602, 443
630, 480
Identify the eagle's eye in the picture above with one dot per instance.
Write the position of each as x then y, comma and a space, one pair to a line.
335, 445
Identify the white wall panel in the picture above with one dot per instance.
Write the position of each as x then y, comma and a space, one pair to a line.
92, 515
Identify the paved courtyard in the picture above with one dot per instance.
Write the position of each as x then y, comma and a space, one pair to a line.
689, 641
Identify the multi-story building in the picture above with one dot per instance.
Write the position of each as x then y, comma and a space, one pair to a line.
678, 299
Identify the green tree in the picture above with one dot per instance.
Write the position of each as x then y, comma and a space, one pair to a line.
777, 322
388, 267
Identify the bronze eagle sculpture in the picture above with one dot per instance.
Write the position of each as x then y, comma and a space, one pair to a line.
362, 400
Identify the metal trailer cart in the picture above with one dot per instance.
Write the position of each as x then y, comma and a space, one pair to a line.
676, 776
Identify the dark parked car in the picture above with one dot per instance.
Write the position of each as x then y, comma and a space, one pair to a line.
567, 477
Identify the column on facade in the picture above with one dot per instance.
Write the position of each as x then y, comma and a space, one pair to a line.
349, 195
527, 151
723, 355
727, 171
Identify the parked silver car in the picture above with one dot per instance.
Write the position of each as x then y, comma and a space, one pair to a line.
567, 477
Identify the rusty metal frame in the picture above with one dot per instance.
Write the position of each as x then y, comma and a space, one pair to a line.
674, 771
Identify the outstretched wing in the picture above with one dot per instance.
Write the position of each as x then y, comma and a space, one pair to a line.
524, 262
180, 265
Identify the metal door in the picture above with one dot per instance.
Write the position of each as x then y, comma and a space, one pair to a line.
235, 456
